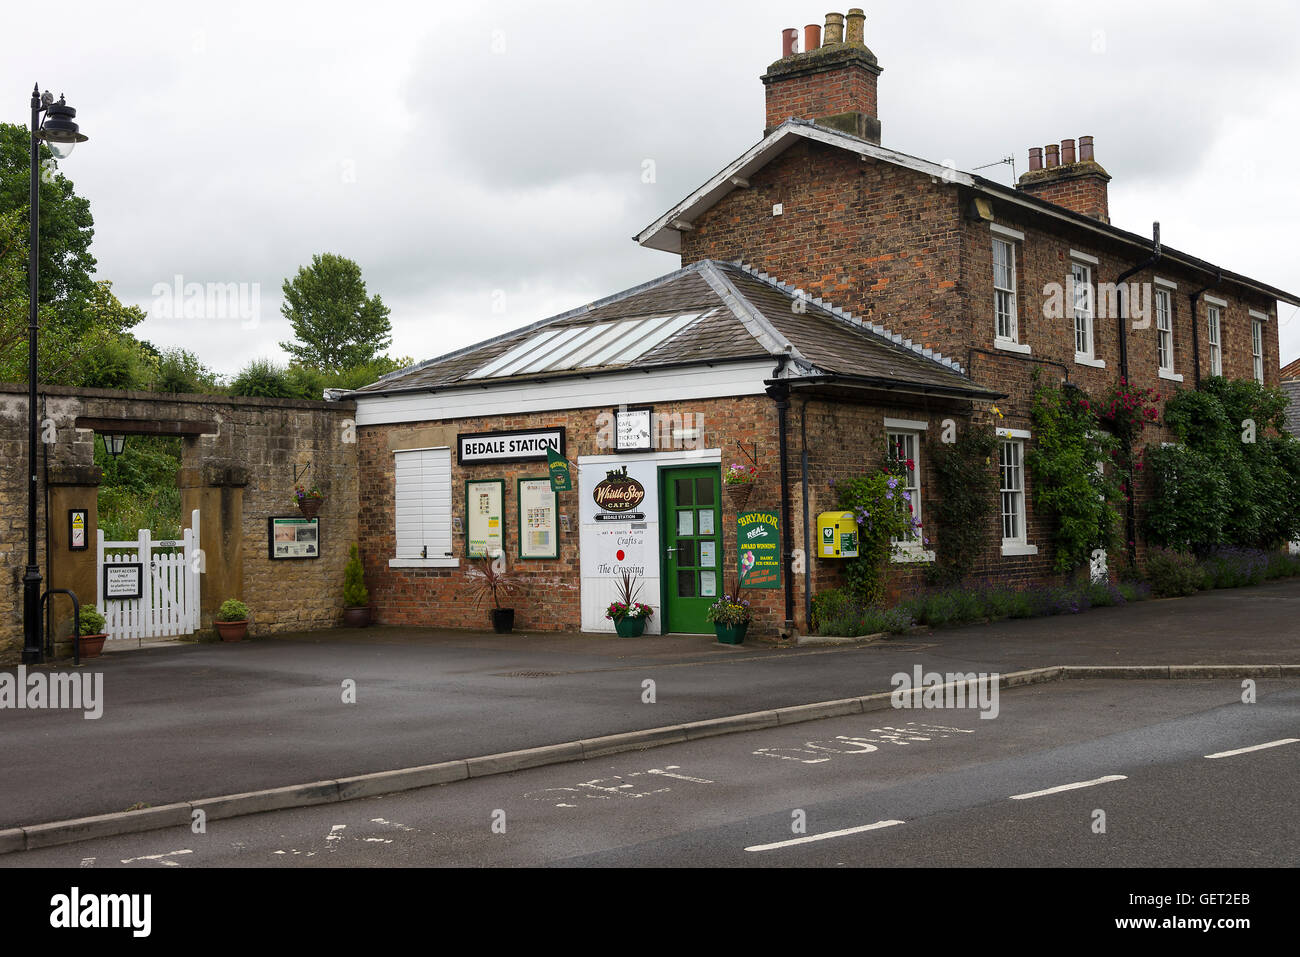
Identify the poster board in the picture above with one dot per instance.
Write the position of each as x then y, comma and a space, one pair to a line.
292, 537
485, 518
758, 550
538, 521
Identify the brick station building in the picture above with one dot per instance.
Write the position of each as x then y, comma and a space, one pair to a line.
835, 294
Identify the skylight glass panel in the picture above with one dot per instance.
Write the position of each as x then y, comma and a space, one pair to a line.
635, 330
511, 354
540, 351
660, 335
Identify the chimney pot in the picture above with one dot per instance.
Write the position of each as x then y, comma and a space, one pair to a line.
1053, 156
855, 36
789, 42
1035, 157
812, 37
834, 32
1067, 152
1085, 148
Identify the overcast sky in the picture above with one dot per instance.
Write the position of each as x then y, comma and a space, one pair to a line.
482, 162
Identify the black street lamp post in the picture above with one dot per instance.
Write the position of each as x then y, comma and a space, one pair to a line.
60, 133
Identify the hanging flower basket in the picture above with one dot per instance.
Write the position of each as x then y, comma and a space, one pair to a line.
309, 500
740, 494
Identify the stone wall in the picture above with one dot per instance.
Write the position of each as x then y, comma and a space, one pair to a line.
238, 475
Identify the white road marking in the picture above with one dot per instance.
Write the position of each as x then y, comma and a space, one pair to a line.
379, 840
822, 837
1070, 787
87, 862
156, 857
400, 827
1254, 747
336, 833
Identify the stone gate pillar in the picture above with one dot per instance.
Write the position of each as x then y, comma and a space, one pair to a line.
217, 491
71, 487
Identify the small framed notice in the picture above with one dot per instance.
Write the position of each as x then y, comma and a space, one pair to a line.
633, 430
123, 580
485, 533
293, 537
78, 519
537, 519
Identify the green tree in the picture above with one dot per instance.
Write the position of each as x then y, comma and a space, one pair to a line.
336, 324
67, 267
65, 349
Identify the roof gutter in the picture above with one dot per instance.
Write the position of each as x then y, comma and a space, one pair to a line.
892, 385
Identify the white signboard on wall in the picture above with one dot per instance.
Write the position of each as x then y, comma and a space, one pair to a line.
613, 541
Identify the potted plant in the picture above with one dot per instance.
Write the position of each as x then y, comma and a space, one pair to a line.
232, 620
90, 636
739, 480
628, 614
309, 500
731, 618
488, 578
356, 597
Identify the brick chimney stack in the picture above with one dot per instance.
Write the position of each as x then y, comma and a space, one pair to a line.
1077, 183
832, 81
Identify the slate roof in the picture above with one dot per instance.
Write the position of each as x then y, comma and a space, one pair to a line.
743, 315
664, 233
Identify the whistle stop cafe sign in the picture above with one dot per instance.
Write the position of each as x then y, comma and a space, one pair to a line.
477, 448
758, 550
617, 495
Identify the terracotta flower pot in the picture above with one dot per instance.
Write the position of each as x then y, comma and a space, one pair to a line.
232, 630
90, 646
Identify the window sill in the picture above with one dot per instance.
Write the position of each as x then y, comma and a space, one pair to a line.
1171, 376
911, 555
1018, 548
424, 563
1008, 346
1081, 360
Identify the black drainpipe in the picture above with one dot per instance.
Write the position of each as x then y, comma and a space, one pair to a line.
1130, 516
1196, 325
780, 393
807, 552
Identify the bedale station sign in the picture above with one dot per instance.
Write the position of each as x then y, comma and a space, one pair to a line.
480, 448
758, 550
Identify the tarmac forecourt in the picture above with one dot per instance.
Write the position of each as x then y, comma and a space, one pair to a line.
181, 814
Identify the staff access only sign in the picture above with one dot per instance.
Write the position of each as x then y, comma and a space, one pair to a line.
758, 550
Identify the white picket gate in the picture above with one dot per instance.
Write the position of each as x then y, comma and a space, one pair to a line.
169, 585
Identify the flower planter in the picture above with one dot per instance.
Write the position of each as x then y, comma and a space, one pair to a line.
232, 630
739, 494
731, 634
310, 507
356, 616
629, 627
503, 620
90, 646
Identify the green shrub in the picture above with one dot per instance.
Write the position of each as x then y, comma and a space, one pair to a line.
1281, 565
355, 594
1171, 573
830, 605
232, 609
265, 379
965, 485
91, 621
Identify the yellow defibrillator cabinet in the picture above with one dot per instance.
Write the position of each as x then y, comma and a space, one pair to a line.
837, 535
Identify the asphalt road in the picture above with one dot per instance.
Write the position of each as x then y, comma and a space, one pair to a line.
947, 776
202, 720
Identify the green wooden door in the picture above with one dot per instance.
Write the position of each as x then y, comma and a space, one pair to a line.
691, 535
